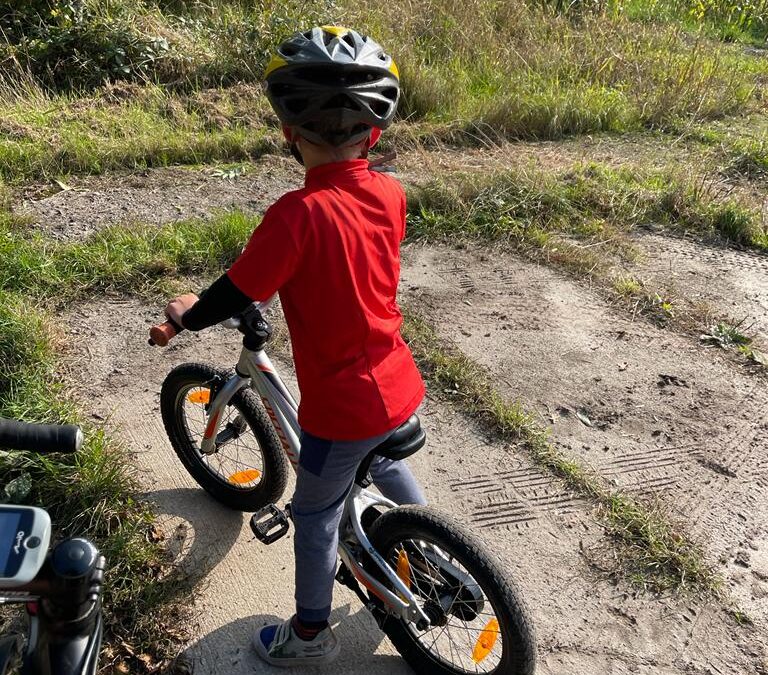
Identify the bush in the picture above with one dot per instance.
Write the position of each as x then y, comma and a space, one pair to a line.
68, 44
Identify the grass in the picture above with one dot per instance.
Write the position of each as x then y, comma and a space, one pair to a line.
745, 22
539, 75
591, 203
140, 260
88, 494
129, 127
654, 552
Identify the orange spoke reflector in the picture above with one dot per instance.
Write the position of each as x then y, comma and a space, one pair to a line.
200, 396
404, 568
486, 641
243, 477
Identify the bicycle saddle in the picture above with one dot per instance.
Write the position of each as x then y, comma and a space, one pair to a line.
406, 440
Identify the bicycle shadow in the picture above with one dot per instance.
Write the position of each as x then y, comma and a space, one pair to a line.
229, 650
204, 531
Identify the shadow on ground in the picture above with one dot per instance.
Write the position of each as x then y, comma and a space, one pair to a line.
202, 530
228, 649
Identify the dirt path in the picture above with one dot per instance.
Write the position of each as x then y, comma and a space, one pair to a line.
652, 411
586, 623
155, 196
656, 413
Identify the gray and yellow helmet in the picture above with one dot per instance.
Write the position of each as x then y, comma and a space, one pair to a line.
333, 85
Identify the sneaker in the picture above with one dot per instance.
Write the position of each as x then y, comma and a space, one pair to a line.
279, 645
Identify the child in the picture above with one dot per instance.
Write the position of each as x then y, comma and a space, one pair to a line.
332, 251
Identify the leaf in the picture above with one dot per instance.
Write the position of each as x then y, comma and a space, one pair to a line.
18, 489
583, 418
759, 357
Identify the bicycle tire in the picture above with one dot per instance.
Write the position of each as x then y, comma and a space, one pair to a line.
274, 476
516, 627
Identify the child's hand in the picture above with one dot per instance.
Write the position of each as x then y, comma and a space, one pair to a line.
177, 307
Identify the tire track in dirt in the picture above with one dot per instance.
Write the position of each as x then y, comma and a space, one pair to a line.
586, 623
654, 413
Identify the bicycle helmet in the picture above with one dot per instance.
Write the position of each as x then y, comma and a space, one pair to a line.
332, 85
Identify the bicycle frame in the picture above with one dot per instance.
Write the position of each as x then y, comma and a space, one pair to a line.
255, 369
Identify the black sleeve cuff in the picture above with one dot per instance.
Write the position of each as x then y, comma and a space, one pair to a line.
221, 301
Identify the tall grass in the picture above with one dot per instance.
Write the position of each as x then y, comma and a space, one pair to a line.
589, 202
730, 20
513, 70
127, 126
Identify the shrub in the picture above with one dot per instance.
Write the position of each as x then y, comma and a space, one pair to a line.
68, 44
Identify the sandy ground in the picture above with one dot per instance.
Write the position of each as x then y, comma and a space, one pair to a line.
633, 401
665, 418
587, 623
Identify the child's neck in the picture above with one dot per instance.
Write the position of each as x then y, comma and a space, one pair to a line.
316, 155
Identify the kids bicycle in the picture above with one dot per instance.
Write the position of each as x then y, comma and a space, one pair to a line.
447, 605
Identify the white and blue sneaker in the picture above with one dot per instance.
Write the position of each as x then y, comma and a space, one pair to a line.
279, 645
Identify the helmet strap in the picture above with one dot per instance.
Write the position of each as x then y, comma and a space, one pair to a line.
296, 154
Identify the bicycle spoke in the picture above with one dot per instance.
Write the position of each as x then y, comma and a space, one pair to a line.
232, 458
455, 642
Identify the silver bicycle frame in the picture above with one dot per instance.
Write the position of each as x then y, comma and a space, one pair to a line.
282, 409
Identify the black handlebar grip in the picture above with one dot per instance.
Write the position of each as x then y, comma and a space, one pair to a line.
16, 435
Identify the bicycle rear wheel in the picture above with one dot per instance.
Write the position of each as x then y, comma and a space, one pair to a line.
249, 469
479, 620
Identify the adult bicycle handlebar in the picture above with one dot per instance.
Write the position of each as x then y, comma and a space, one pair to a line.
41, 438
63, 601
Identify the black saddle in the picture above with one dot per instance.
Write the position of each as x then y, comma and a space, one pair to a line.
406, 439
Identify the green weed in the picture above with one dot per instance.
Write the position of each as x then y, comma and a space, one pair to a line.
591, 203
140, 259
129, 127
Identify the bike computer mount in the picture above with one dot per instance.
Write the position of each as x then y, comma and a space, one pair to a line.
25, 532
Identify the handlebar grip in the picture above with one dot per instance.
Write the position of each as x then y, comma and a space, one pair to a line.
163, 333
16, 435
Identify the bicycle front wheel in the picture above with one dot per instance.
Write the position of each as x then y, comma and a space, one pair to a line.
479, 622
249, 469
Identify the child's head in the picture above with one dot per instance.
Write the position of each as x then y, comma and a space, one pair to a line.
334, 91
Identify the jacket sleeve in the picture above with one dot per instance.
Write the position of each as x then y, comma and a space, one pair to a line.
220, 301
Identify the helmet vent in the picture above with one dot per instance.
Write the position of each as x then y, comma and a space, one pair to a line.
349, 40
296, 104
341, 102
380, 108
390, 93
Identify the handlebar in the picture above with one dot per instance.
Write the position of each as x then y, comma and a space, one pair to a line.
161, 334
16, 435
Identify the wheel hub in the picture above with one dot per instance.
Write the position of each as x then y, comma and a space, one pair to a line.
435, 613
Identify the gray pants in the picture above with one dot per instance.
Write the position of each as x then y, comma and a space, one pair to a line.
325, 475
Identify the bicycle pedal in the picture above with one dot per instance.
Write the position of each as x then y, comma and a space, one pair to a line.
270, 524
